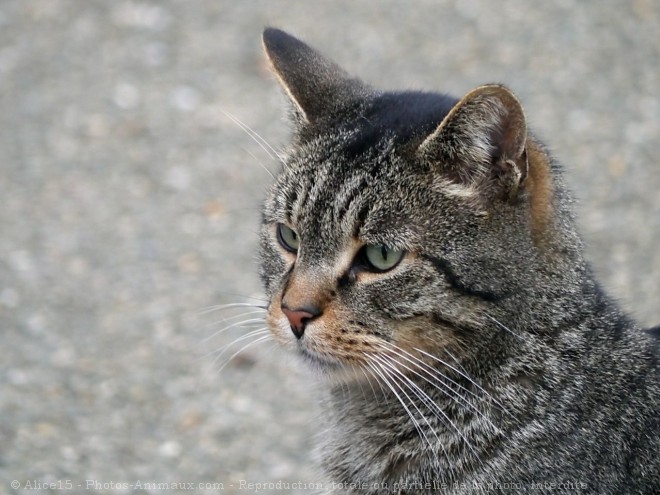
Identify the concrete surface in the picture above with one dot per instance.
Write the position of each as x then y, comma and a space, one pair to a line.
129, 205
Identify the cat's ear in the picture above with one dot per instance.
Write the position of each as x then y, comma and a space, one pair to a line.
317, 87
481, 144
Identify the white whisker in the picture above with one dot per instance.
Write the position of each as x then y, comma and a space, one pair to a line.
233, 325
467, 377
357, 379
505, 328
373, 390
249, 344
394, 374
221, 307
221, 350
263, 144
438, 375
380, 385
435, 373
227, 319
423, 396
458, 363
258, 162
430, 404
439, 384
377, 369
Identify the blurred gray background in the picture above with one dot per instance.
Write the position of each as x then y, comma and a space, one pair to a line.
129, 206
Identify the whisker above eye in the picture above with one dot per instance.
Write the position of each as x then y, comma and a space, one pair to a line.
258, 162
270, 151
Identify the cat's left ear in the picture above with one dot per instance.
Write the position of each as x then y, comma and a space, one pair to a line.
481, 144
318, 88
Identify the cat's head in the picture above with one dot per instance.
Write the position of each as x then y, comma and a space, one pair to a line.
400, 220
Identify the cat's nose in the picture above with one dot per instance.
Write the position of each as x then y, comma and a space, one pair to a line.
299, 317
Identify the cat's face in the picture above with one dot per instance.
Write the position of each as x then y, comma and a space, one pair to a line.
348, 236
377, 236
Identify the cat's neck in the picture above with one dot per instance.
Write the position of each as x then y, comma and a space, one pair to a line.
455, 415
389, 433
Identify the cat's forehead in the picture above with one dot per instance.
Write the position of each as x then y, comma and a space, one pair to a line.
331, 194
358, 176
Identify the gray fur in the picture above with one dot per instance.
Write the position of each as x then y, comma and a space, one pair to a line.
542, 377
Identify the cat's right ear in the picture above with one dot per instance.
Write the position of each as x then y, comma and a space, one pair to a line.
481, 145
317, 87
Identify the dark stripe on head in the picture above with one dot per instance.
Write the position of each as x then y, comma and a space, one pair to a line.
349, 196
444, 268
296, 206
291, 198
360, 219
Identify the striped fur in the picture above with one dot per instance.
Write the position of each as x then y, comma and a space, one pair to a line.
489, 356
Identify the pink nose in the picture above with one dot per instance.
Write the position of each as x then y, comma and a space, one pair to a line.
299, 318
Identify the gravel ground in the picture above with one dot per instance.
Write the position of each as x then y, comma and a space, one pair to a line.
129, 205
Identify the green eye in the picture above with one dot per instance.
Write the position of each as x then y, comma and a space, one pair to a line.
381, 258
288, 238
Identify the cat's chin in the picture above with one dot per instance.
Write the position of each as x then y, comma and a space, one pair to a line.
333, 370
318, 361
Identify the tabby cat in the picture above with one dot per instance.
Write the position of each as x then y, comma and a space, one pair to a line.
419, 252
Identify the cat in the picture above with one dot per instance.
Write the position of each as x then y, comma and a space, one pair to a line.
420, 255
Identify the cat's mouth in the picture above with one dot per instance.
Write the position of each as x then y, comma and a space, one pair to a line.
328, 344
